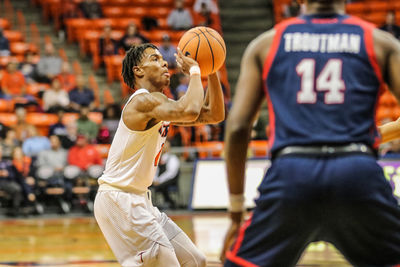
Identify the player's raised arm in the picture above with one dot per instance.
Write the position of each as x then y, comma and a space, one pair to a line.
213, 109
388, 55
247, 101
156, 106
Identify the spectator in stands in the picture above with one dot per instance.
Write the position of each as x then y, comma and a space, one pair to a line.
168, 51
81, 95
9, 184
91, 9
13, 81
4, 44
58, 128
183, 85
21, 127
35, 143
3, 131
167, 174
49, 65
390, 25
70, 139
66, 77
55, 97
111, 116
132, 37
28, 67
86, 126
179, 18
22, 165
8, 144
203, 18
83, 159
51, 163
207, 5
292, 9
108, 46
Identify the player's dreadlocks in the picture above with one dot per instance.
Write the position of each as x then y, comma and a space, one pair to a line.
133, 58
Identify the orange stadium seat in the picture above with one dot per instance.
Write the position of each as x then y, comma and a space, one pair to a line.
8, 119
114, 12
163, 3
378, 6
136, 12
97, 117
5, 24
14, 36
176, 35
378, 18
122, 23
259, 148
35, 88
75, 26
113, 67
356, 8
210, 149
19, 48
161, 12
6, 105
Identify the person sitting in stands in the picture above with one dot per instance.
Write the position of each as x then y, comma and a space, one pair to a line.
91, 9
168, 51
132, 37
10, 185
81, 95
55, 97
86, 126
180, 18
66, 77
49, 65
4, 44
28, 67
108, 46
167, 174
35, 143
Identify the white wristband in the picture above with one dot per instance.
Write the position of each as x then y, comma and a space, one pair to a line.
236, 202
194, 70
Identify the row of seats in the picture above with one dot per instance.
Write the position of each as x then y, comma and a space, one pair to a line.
371, 10
214, 149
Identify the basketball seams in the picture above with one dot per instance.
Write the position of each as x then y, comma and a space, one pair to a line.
197, 35
210, 33
198, 45
209, 45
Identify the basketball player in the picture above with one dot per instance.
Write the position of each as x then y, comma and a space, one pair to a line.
321, 74
138, 234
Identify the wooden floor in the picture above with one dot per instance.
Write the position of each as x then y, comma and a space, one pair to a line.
79, 242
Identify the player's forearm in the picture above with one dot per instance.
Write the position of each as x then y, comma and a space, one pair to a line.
215, 99
390, 131
236, 143
194, 97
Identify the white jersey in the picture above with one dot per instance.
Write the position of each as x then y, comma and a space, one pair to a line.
133, 157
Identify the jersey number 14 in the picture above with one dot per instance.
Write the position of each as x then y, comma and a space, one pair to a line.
329, 81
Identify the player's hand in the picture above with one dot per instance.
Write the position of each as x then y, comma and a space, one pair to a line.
232, 233
183, 62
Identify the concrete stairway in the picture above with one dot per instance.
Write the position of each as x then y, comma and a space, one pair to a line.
241, 22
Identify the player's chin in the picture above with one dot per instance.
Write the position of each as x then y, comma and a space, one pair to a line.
167, 81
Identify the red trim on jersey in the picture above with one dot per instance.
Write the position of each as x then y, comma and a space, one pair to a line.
231, 255
325, 21
239, 261
279, 29
369, 46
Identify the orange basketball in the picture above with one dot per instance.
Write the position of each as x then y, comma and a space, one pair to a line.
206, 46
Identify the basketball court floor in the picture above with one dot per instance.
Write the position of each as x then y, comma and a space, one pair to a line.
77, 241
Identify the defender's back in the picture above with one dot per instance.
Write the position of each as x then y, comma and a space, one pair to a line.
322, 75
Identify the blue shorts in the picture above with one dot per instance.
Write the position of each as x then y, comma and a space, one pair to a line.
344, 200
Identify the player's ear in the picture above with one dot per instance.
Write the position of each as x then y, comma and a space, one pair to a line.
138, 71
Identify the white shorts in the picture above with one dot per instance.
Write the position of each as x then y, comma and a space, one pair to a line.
133, 227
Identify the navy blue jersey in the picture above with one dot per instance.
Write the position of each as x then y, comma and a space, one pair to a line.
322, 81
